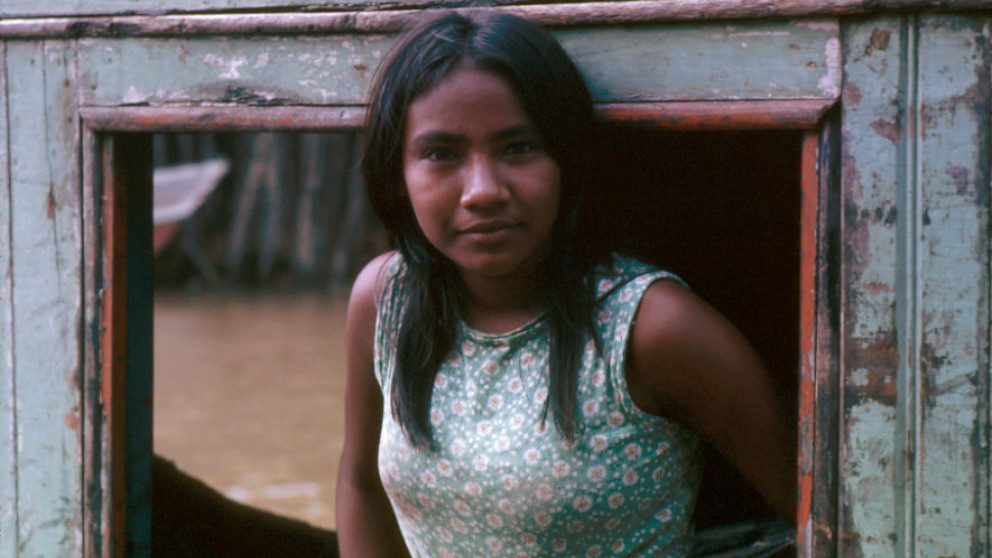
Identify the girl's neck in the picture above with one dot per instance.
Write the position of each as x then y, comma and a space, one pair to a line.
497, 305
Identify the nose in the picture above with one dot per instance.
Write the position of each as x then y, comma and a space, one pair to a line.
484, 186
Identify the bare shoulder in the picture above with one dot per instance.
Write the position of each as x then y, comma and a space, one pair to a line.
683, 352
368, 285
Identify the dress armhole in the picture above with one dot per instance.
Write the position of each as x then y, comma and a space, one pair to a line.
629, 301
387, 303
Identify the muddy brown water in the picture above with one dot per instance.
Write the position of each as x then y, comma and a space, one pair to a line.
249, 397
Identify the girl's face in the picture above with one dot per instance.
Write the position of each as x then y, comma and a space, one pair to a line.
483, 188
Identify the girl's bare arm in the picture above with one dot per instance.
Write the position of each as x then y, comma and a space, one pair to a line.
689, 363
366, 524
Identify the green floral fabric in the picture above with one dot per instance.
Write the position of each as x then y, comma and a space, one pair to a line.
502, 481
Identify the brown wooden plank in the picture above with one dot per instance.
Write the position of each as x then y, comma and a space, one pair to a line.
378, 21
689, 115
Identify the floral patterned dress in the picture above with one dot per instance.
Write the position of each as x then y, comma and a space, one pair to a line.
502, 481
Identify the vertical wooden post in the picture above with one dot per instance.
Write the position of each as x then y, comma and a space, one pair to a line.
126, 343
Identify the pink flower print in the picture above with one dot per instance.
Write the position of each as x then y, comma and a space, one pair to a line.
470, 388
462, 508
594, 551
445, 553
468, 348
490, 367
558, 545
621, 333
615, 500
503, 443
457, 448
484, 427
494, 520
658, 474
526, 360
630, 477
459, 408
455, 358
540, 395
510, 482
589, 407
506, 506
425, 501
603, 317
625, 295
517, 420
444, 467
575, 526
598, 378
542, 518
378, 353
459, 525
394, 471
446, 535
598, 443
590, 347
404, 453
544, 492
662, 448
473, 488
529, 539
429, 479
440, 380
664, 515
437, 416
560, 469
570, 444
541, 428
612, 524
582, 503
495, 402
618, 547
480, 463
597, 473
493, 543
531, 456
502, 343
603, 285
632, 451
615, 419
516, 386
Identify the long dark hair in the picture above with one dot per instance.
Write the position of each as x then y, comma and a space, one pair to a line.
557, 100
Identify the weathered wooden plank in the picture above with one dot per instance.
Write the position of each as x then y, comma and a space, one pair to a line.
716, 61
953, 284
45, 279
872, 179
326, 71
8, 396
373, 18
763, 60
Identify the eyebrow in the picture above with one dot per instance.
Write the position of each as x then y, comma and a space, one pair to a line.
442, 137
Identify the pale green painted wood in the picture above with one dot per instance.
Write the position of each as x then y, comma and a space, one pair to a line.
266, 70
871, 451
954, 180
8, 431
46, 265
747, 61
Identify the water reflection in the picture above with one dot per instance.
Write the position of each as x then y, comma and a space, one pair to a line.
249, 397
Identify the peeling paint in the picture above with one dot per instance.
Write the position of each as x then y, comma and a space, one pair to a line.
228, 67
829, 84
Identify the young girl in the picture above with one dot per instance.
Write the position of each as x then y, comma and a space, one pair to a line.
512, 390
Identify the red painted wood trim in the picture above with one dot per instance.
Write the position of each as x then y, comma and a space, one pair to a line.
795, 114
792, 114
809, 211
113, 350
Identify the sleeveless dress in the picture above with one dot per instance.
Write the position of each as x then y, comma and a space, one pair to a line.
502, 481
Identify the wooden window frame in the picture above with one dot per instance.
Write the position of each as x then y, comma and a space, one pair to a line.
117, 186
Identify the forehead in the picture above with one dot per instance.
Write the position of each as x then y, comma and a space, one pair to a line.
466, 100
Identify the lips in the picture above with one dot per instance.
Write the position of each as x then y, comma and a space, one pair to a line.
487, 227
